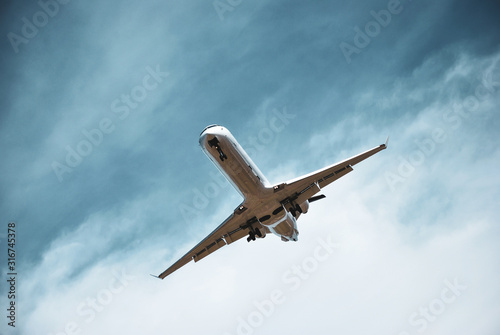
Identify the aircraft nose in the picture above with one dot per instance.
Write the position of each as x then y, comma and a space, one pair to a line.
208, 127
204, 133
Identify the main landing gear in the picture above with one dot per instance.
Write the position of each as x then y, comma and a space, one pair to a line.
253, 233
214, 142
295, 209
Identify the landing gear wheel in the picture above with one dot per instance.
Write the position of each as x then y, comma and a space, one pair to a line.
298, 209
222, 155
258, 232
251, 236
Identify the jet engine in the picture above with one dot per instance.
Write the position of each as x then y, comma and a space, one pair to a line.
304, 207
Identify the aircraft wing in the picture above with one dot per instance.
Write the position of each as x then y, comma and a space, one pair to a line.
302, 188
297, 190
227, 232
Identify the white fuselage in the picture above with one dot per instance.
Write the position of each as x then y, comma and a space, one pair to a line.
235, 164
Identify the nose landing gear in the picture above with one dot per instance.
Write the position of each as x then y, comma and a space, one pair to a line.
214, 142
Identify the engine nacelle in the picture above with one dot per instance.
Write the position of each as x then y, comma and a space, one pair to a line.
304, 206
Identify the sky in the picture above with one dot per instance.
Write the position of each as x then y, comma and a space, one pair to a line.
102, 176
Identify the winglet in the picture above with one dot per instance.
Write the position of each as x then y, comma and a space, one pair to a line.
386, 141
155, 276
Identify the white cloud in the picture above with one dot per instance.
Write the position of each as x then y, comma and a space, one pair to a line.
399, 245
387, 275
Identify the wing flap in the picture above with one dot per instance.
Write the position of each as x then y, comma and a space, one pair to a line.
330, 178
236, 235
216, 245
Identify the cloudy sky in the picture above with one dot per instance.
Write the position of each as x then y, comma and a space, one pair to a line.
102, 104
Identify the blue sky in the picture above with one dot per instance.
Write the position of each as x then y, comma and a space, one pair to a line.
101, 108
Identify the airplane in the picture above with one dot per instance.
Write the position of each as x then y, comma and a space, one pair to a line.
266, 208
